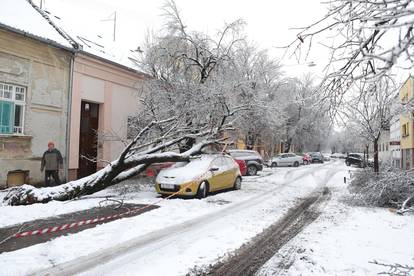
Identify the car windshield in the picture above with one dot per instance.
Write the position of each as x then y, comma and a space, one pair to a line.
199, 163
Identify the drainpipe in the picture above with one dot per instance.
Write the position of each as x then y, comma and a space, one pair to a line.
68, 119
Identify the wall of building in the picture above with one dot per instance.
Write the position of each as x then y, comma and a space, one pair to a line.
44, 71
407, 123
395, 137
384, 153
115, 90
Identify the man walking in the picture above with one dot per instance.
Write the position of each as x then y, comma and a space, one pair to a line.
51, 162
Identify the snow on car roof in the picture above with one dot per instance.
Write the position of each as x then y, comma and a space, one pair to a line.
20, 15
186, 171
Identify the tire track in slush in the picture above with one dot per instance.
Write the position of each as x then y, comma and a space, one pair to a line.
251, 257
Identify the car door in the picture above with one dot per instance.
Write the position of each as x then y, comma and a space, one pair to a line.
232, 172
284, 160
290, 159
228, 172
218, 178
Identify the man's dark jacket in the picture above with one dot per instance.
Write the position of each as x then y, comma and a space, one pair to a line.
51, 160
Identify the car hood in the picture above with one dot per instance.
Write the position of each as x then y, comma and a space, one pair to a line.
177, 175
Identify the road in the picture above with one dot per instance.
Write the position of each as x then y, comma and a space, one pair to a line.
282, 202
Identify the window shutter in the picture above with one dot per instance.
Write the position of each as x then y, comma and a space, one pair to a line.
6, 117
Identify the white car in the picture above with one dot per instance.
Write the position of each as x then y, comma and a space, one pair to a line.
286, 159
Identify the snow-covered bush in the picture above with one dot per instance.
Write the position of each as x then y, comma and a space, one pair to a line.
391, 187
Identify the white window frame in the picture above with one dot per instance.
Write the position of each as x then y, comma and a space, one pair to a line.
19, 129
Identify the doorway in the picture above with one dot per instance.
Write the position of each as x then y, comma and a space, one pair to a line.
88, 138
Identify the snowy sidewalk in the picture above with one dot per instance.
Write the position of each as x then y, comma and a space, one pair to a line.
10, 243
345, 239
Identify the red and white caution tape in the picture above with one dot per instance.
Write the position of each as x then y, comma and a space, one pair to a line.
67, 226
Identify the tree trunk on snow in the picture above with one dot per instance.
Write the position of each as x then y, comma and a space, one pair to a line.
376, 163
115, 172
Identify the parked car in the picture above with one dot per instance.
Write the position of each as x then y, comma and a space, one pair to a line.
338, 155
307, 159
316, 157
155, 168
242, 166
326, 156
357, 159
286, 159
254, 161
200, 176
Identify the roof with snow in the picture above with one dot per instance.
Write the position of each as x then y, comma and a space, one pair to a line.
108, 50
23, 17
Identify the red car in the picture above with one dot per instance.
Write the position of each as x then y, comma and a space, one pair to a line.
154, 169
307, 159
242, 166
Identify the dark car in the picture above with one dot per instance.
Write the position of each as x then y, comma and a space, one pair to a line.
252, 158
356, 159
316, 157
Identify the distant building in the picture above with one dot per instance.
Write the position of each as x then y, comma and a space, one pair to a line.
395, 139
407, 124
384, 153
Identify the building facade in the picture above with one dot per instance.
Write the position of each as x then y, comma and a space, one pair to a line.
104, 96
34, 91
384, 153
395, 139
406, 95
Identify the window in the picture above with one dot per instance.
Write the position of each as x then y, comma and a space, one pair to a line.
405, 130
12, 105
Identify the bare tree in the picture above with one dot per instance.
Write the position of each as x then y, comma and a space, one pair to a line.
370, 38
370, 110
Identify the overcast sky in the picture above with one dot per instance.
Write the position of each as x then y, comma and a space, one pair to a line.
268, 21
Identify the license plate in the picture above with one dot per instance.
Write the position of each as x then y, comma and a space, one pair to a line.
168, 186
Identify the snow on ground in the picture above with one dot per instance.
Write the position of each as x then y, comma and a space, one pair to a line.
222, 223
344, 239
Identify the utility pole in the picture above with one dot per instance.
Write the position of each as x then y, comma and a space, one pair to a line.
114, 25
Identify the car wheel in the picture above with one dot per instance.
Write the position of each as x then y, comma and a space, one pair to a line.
202, 190
237, 183
296, 164
273, 165
251, 170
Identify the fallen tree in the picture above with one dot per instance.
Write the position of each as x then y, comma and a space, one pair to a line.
135, 158
391, 187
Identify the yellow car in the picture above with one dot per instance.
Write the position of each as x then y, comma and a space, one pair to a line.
200, 176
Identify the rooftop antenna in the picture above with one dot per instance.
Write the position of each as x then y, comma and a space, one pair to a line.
112, 17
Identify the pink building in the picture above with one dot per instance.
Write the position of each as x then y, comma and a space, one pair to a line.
104, 95
75, 91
